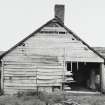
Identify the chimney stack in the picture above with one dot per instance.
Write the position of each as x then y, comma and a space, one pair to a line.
59, 12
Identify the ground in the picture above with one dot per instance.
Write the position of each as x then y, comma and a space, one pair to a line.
88, 99
46, 99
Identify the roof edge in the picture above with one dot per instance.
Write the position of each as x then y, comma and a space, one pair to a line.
76, 36
30, 35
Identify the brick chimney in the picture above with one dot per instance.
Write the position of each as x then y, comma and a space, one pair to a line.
59, 12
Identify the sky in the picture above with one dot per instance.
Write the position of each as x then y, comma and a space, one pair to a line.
19, 18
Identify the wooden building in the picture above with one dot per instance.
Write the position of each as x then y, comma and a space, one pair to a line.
51, 58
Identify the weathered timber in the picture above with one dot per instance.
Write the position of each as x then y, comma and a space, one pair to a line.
40, 60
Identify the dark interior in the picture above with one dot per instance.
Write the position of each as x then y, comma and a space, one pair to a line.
84, 76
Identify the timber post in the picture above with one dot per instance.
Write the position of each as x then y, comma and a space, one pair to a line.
102, 77
2, 77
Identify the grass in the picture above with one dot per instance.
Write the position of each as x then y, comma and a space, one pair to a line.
32, 98
88, 99
43, 98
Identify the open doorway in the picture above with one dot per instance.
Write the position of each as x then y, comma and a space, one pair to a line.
83, 76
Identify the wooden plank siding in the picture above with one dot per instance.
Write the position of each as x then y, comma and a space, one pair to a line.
41, 58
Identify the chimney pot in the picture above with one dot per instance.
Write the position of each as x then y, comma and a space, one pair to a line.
59, 12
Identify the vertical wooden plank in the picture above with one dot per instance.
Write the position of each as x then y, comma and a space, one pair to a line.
63, 72
71, 66
77, 66
37, 80
102, 77
2, 75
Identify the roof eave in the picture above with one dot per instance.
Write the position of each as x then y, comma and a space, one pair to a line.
71, 32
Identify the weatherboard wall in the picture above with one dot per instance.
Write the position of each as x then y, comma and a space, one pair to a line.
40, 60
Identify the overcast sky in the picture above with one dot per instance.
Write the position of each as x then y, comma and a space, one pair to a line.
19, 18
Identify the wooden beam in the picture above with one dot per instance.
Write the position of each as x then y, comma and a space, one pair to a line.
2, 75
71, 66
77, 66
102, 77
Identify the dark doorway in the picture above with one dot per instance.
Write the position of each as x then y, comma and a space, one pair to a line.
83, 75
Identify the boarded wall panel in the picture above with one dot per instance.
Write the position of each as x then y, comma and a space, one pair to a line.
39, 61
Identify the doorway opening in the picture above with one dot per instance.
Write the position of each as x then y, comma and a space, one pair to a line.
83, 76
